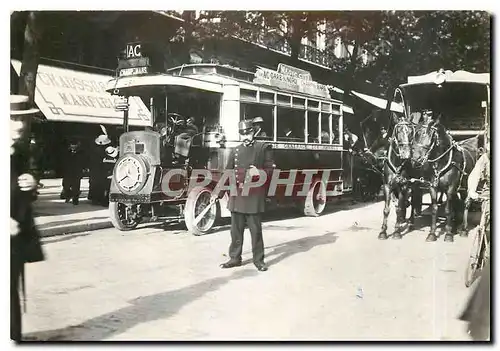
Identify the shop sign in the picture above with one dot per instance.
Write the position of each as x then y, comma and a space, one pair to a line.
73, 96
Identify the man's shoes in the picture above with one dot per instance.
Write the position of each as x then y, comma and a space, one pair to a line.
231, 263
262, 267
75, 201
67, 200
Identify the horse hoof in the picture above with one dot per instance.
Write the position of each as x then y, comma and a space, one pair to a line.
411, 227
431, 237
464, 233
382, 236
449, 238
397, 236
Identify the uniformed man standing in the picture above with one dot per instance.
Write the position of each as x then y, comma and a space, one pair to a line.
250, 156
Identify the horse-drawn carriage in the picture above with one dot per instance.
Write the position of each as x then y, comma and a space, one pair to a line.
428, 150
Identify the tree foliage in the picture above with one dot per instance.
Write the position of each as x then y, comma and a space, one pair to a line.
400, 43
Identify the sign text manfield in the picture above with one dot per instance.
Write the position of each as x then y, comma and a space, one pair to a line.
291, 78
74, 96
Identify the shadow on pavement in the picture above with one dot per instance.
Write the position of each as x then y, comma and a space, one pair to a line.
142, 309
284, 250
60, 238
66, 222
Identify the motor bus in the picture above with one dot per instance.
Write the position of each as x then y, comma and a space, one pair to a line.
302, 122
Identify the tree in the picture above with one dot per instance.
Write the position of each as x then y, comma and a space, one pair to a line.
407, 43
31, 55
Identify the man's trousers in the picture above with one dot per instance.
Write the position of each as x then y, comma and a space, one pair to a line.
238, 222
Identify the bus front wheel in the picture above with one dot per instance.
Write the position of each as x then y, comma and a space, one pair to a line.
200, 220
122, 217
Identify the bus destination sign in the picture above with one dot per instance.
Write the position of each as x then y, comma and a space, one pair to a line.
291, 78
134, 61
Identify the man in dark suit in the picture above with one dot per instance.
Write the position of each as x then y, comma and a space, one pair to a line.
25, 243
73, 172
246, 209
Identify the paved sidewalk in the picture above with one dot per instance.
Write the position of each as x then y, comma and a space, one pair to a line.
55, 217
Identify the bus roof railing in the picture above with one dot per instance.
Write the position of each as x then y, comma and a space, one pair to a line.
162, 79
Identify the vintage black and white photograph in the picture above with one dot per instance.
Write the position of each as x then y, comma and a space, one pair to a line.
257, 175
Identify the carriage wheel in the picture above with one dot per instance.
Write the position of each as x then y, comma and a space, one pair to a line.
315, 201
476, 258
198, 199
120, 217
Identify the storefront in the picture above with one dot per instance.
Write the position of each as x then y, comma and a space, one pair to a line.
74, 106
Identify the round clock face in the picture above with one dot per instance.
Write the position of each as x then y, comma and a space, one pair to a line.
129, 173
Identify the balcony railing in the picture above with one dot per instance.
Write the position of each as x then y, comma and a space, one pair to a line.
276, 42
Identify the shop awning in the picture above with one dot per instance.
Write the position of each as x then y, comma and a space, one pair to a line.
378, 102
347, 109
72, 96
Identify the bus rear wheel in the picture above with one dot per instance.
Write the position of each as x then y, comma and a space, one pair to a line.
197, 201
315, 201
121, 217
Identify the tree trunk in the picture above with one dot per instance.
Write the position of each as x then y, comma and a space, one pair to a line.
351, 70
188, 26
31, 56
389, 94
295, 36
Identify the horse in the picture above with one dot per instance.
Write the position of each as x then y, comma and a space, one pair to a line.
443, 165
396, 170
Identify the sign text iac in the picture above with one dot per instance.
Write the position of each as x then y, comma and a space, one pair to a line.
133, 50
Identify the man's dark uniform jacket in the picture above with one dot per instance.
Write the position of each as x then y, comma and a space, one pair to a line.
240, 159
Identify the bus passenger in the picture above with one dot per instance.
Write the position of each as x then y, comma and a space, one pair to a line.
191, 129
325, 137
257, 123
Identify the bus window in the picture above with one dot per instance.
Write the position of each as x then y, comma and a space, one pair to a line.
312, 127
250, 111
336, 129
203, 106
325, 129
290, 125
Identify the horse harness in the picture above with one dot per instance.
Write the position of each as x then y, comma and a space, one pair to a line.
393, 140
450, 164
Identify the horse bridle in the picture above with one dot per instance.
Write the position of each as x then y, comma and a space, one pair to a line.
394, 140
428, 149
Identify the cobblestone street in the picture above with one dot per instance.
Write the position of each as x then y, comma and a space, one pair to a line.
330, 278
